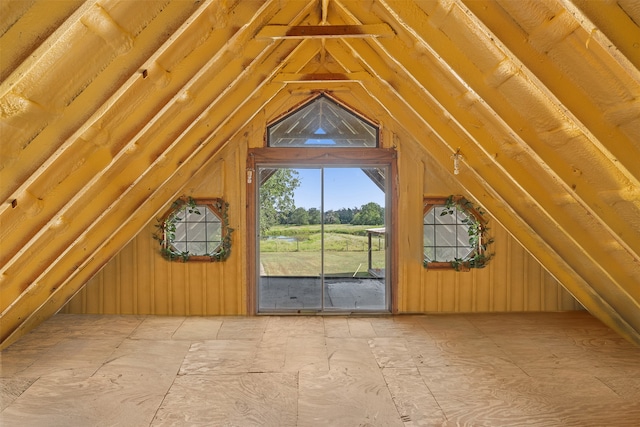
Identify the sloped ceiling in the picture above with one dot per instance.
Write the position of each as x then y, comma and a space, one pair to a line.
109, 107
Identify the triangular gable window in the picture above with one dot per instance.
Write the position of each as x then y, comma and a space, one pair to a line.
322, 123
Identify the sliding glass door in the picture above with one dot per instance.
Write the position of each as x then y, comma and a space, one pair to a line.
322, 239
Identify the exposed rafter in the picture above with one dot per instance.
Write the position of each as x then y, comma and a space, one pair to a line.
123, 205
99, 173
277, 32
619, 36
580, 99
493, 124
322, 77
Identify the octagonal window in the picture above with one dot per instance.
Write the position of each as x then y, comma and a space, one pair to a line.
450, 230
196, 230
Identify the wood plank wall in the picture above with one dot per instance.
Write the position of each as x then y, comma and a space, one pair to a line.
513, 280
139, 281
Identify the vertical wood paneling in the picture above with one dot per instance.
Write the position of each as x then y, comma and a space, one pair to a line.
460, 294
160, 285
567, 300
517, 278
203, 291
409, 232
146, 272
135, 277
551, 293
447, 292
92, 294
234, 173
138, 280
533, 272
195, 295
433, 282
502, 248
474, 293
464, 291
179, 288
483, 289
78, 303
213, 291
514, 280
109, 287
127, 284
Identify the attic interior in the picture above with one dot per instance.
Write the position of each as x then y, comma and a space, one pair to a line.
112, 110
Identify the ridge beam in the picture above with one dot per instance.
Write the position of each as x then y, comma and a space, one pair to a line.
322, 77
278, 32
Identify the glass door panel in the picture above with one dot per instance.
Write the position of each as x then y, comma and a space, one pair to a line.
290, 252
354, 260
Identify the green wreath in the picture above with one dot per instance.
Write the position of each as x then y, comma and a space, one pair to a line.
166, 230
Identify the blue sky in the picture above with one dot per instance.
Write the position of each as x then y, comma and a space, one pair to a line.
344, 188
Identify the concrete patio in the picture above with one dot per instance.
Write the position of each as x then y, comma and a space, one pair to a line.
304, 293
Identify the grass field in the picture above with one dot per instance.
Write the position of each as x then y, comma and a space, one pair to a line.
307, 238
295, 250
308, 263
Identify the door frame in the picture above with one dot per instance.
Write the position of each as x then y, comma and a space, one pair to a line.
283, 157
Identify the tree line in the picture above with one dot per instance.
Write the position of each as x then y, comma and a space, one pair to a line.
368, 214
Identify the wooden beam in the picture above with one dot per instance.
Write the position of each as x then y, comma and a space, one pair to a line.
498, 112
480, 120
49, 228
277, 32
528, 208
322, 77
190, 148
586, 238
586, 184
36, 24
501, 209
37, 158
611, 26
584, 106
145, 199
42, 228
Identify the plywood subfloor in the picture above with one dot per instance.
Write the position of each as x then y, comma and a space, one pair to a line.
559, 369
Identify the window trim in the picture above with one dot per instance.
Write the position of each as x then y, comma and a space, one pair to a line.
461, 202
347, 156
